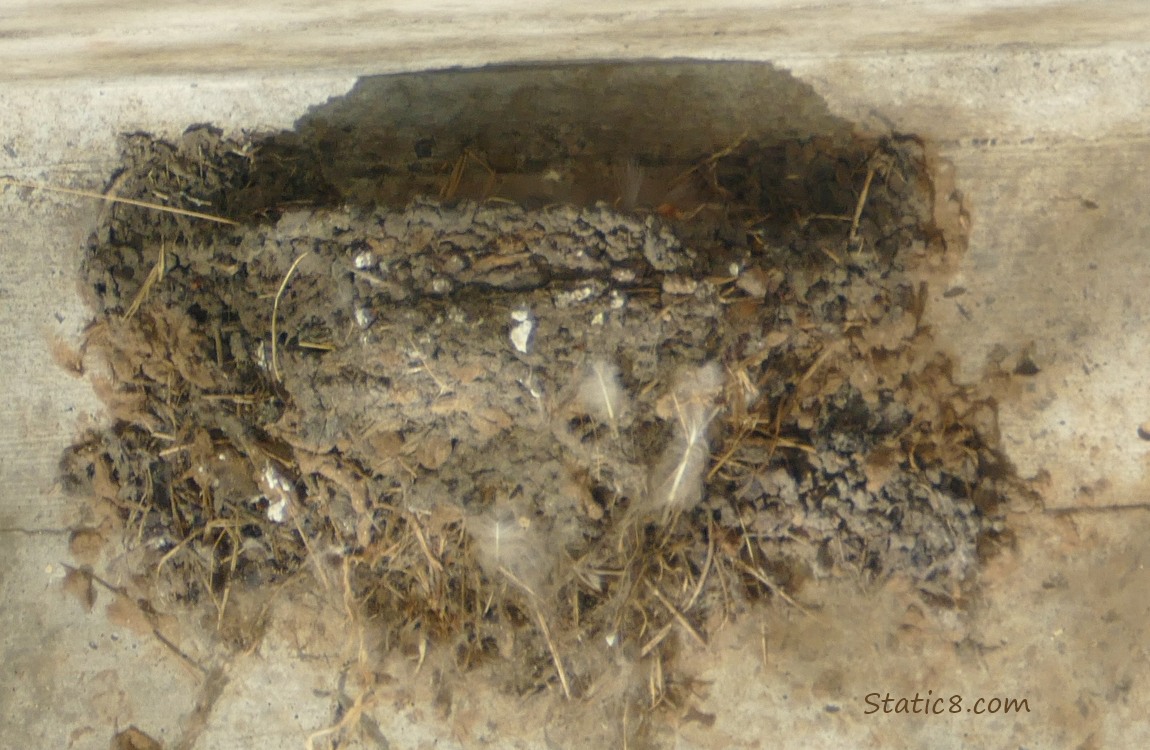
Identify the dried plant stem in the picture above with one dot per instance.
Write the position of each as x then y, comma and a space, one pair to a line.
275, 314
455, 179
710, 160
679, 617
114, 199
432, 561
706, 568
317, 564
554, 653
745, 429
656, 639
155, 276
819, 360
148, 613
772, 587
233, 561
354, 714
763, 641
853, 238
443, 387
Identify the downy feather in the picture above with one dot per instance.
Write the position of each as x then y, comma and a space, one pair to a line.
675, 483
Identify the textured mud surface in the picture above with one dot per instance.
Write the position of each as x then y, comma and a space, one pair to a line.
556, 440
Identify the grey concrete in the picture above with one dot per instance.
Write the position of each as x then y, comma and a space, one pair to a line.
1041, 108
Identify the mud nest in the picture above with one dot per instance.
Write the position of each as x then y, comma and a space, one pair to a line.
552, 439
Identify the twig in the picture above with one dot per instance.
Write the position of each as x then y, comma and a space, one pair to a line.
554, 653
443, 387
155, 276
763, 641
826, 353
352, 715
656, 639
234, 398
1114, 508
318, 346
275, 313
455, 179
656, 684
706, 568
115, 199
677, 615
418, 530
773, 587
233, 562
714, 157
167, 643
853, 237
149, 614
518, 582
546, 631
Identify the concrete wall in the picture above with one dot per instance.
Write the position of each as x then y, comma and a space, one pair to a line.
1040, 106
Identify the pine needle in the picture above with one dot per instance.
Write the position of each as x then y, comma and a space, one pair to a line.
115, 199
155, 276
275, 315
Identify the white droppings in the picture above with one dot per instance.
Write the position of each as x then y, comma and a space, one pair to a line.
365, 260
364, 317
277, 511
278, 490
575, 296
522, 329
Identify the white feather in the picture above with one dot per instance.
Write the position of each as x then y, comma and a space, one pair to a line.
510, 546
600, 394
675, 483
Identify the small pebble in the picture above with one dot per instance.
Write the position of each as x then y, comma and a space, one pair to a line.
1144, 430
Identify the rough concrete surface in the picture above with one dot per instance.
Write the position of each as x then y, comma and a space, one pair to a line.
1042, 111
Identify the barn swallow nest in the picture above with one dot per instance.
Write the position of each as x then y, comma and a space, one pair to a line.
552, 440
